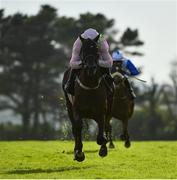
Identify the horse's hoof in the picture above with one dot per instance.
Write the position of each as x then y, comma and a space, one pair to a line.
103, 151
127, 144
122, 137
79, 156
111, 146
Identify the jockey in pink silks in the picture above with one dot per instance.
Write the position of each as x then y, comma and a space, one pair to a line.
105, 59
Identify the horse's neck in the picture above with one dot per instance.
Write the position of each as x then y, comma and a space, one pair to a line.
87, 80
120, 90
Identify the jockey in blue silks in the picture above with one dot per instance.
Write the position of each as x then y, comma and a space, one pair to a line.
125, 67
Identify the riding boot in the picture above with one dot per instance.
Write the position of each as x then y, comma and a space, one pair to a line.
69, 86
130, 89
109, 82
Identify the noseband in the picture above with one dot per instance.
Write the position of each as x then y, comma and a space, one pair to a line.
89, 57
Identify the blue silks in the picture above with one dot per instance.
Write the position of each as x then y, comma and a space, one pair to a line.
129, 68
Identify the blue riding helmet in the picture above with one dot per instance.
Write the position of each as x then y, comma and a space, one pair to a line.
117, 56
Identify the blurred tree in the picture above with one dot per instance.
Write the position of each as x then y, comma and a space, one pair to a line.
30, 65
12, 41
34, 51
147, 120
151, 105
173, 76
170, 101
129, 39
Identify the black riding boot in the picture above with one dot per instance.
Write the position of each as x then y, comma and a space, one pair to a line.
109, 88
130, 89
69, 86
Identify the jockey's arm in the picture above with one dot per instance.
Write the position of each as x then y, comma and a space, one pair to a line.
105, 58
75, 58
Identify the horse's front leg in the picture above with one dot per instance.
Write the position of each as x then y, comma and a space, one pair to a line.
125, 135
108, 130
77, 132
101, 139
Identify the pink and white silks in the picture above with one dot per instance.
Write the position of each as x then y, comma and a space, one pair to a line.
105, 59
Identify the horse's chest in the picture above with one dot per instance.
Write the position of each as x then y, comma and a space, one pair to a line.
90, 102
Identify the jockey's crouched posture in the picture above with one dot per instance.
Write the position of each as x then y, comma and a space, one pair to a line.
125, 67
105, 60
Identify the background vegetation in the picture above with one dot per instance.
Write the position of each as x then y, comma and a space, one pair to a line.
34, 52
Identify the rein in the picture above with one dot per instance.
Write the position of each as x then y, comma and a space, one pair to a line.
86, 87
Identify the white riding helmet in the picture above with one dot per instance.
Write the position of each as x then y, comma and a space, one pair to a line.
117, 56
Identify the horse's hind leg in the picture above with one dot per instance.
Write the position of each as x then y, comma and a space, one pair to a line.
125, 135
77, 131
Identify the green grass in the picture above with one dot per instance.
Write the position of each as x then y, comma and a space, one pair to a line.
54, 159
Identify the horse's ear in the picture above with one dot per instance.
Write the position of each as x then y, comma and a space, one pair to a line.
96, 38
81, 38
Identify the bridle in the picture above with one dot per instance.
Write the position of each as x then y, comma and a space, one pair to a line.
84, 65
89, 53
89, 88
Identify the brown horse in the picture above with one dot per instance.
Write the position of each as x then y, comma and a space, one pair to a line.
122, 109
89, 100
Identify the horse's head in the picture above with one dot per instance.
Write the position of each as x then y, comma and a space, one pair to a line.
120, 85
119, 80
89, 55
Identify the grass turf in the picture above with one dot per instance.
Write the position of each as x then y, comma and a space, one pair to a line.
54, 159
